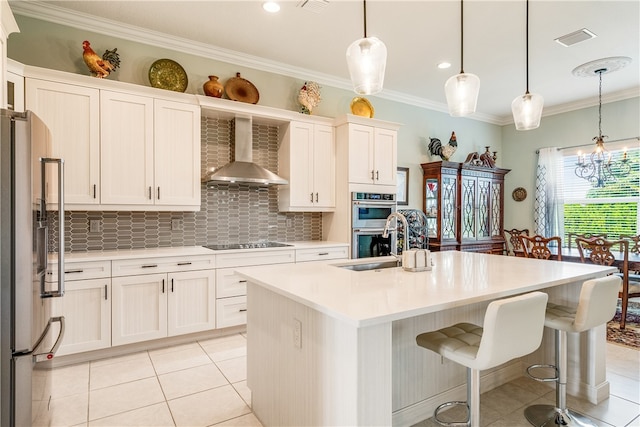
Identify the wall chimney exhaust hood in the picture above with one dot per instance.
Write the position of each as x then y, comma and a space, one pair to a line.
242, 170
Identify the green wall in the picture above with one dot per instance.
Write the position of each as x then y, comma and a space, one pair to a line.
59, 47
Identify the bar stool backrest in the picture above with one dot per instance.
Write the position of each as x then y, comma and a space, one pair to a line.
512, 328
597, 305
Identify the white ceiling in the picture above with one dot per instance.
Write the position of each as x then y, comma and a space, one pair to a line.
418, 35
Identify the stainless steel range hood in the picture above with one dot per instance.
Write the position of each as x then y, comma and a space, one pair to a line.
242, 170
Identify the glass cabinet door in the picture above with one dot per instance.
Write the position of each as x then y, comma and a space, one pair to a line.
432, 206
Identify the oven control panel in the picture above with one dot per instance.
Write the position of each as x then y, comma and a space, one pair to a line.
386, 197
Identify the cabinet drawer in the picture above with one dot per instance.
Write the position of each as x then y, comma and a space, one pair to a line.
319, 254
244, 259
130, 267
229, 284
80, 270
231, 312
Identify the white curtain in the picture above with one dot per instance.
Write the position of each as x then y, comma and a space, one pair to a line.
549, 203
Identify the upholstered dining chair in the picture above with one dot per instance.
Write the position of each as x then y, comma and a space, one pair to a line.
540, 247
511, 238
600, 251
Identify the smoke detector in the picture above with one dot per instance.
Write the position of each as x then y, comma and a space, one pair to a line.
315, 6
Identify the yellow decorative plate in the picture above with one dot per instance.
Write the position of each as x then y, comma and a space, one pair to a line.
362, 107
168, 74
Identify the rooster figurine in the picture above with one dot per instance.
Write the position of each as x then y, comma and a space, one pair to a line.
444, 151
100, 67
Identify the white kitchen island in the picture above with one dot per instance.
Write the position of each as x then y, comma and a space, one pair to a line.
332, 346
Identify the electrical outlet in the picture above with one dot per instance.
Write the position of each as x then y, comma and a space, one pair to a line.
289, 222
95, 226
297, 333
176, 224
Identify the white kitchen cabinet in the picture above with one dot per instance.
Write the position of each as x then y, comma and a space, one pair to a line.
306, 158
176, 153
86, 306
372, 154
124, 148
72, 114
15, 86
176, 298
191, 302
126, 133
322, 253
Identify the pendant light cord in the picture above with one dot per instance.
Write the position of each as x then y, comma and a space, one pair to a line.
600, 103
527, 49
364, 7
461, 36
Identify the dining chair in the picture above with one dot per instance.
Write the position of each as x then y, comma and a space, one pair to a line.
599, 251
540, 247
634, 242
516, 244
572, 236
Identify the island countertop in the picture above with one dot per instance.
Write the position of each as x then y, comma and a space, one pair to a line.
365, 298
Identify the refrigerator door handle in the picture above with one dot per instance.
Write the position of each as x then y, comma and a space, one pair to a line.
47, 355
60, 163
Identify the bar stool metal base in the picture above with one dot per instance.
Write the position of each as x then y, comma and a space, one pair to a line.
466, 422
549, 416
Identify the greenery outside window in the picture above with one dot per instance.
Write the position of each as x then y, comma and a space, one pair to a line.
613, 209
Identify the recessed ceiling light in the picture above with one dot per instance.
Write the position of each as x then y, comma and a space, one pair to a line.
271, 6
443, 65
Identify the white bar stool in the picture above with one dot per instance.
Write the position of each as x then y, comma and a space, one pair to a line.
512, 328
596, 306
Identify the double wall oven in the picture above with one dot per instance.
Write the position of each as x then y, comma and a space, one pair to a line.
369, 212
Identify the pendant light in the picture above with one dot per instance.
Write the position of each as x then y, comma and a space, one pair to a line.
462, 89
367, 59
527, 109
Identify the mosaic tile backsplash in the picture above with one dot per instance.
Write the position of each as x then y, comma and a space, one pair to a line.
230, 213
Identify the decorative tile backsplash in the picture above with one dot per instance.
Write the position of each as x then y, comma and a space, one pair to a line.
230, 213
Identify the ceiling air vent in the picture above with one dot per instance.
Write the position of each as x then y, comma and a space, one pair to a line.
575, 37
315, 6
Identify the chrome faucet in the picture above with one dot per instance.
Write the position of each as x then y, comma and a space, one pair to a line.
405, 225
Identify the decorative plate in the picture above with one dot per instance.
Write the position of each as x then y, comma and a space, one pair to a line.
168, 74
239, 89
519, 194
362, 107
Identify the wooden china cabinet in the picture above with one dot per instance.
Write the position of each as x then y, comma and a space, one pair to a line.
464, 204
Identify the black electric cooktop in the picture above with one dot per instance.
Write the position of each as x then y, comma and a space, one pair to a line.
247, 246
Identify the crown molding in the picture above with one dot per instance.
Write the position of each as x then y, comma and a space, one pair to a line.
50, 13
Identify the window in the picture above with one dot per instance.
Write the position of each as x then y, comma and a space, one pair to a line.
613, 209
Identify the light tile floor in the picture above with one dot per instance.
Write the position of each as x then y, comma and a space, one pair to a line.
204, 384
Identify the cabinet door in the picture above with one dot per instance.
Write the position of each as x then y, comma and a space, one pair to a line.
86, 307
139, 308
483, 210
176, 153
192, 302
361, 168
468, 208
324, 167
126, 149
385, 162
301, 165
72, 114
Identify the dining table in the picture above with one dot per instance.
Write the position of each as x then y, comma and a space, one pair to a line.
573, 254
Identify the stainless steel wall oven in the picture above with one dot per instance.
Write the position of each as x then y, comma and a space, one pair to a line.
369, 212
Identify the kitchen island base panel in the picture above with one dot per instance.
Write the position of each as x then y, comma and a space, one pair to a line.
332, 378
337, 375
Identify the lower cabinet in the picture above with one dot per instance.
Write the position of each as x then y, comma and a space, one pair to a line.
231, 294
152, 306
86, 306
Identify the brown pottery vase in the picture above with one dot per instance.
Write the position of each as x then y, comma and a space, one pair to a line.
213, 87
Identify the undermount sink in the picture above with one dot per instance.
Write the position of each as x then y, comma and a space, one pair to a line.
370, 265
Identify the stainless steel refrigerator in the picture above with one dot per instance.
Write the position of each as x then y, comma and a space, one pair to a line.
27, 332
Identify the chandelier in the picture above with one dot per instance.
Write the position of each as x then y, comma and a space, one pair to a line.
599, 168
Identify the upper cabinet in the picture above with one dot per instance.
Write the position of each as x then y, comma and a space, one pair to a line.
123, 150
371, 150
306, 158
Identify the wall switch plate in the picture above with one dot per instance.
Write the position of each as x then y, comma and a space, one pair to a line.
297, 333
95, 226
176, 224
